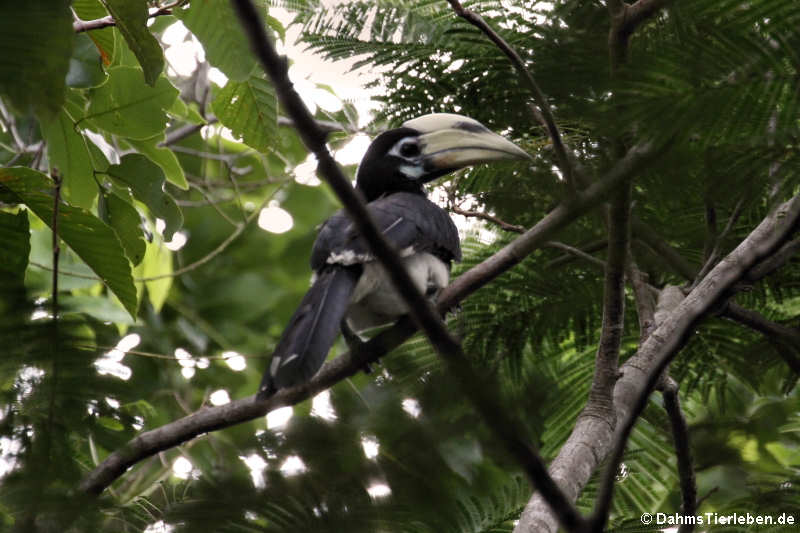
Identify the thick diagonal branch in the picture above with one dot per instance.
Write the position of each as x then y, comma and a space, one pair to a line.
661, 347
420, 309
209, 419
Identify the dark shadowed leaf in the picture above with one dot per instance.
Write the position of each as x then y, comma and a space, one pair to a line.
88, 236
146, 181
35, 47
131, 19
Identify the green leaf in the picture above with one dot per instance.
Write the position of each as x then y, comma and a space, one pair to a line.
15, 245
88, 236
157, 262
70, 152
249, 109
35, 48
104, 39
146, 181
131, 18
118, 213
86, 64
217, 27
126, 106
163, 157
180, 110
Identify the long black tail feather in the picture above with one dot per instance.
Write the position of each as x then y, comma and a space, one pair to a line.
311, 331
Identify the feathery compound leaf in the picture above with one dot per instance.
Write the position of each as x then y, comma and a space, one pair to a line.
249, 109
88, 236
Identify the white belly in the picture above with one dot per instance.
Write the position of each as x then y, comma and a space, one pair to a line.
375, 302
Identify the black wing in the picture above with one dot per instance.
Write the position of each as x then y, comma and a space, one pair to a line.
405, 219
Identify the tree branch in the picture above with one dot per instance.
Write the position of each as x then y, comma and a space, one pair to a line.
212, 418
545, 115
660, 348
80, 26
601, 402
649, 236
420, 309
486, 216
774, 332
683, 452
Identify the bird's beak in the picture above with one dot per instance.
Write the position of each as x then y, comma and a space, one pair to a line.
455, 148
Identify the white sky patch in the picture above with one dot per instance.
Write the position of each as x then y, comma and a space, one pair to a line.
412, 407
160, 526
306, 172
187, 372
257, 465
182, 468
274, 219
293, 465
353, 152
40, 314
370, 445
9, 448
178, 241
279, 417
216, 75
111, 362
112, 403
203, 362
379, 490
235, 361
219, 397
321, 406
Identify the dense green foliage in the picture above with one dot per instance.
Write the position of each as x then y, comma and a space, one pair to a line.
713, 84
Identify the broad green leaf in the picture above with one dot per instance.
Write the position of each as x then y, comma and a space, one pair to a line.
88, 236
104, 39
217, 27
157, 262
249, 109
162, 157
180, 110
70, 152
15, 245
99, 307
131, 18
126, 106
35, 46
86, 64
118, 213
146, 181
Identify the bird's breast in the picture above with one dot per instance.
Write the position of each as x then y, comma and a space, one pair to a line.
375, 301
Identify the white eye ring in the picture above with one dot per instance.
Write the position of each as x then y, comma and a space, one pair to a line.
406, 148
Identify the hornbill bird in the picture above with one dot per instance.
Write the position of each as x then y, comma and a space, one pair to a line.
350, 290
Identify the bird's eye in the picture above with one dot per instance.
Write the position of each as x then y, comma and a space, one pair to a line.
409, 149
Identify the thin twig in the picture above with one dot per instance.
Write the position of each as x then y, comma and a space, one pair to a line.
486, 216
683, 452
240, 227
774, 332
719, 240
544, 114
422, 312
56, 176
97, 24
